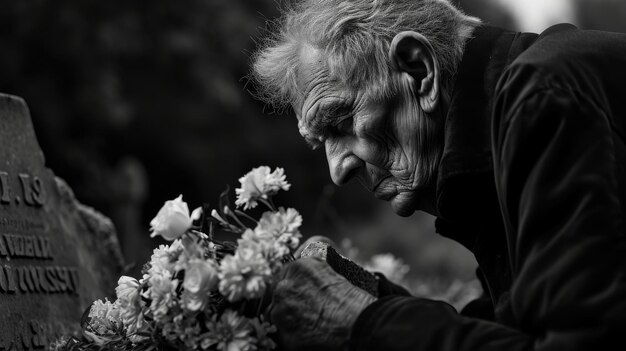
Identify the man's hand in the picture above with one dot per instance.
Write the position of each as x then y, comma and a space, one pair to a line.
314, 308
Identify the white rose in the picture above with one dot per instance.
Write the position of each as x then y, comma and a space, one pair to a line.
200, 278
172, 221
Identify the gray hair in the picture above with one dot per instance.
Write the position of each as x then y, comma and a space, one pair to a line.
354, 36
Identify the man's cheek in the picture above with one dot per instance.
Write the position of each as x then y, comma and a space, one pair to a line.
372, 151
401, 160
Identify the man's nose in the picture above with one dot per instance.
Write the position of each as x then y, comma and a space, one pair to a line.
342, 163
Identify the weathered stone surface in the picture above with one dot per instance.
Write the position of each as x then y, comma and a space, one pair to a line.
342, 265
56, 255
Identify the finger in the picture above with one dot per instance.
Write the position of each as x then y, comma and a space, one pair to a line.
313, 239
301, 267
312, 273
284, 307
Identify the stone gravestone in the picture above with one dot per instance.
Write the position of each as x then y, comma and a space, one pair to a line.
56, 255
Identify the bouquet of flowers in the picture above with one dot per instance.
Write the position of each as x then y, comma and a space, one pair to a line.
198, 293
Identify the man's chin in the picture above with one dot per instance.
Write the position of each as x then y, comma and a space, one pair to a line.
402, 204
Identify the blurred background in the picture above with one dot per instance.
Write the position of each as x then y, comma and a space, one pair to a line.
135, 102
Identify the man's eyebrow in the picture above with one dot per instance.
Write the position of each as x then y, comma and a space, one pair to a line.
317, 125
327, 115
309, 133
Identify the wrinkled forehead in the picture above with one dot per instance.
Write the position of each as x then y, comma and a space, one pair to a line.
311, 72
339, 75
312, 83
316, 83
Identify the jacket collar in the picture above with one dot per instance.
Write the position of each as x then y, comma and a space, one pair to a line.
465, 186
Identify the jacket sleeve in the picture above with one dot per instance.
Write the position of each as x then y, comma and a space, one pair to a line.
387, 288
554, 164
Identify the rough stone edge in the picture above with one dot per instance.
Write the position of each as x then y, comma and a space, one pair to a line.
97, 223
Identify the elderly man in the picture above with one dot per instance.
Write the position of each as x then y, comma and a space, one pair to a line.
515, 141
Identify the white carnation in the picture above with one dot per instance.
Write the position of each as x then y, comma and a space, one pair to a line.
260, 183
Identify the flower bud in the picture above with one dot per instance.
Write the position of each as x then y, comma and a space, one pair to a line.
172, 221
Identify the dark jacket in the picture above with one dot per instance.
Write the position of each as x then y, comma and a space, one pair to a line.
532, 181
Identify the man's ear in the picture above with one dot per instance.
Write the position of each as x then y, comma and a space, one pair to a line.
411, 53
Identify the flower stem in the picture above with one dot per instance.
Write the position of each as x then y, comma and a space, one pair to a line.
260, 305
198, 233
234, 216
241, 213
272, 203
268, 203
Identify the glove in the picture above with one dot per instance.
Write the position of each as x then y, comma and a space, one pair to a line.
314, 307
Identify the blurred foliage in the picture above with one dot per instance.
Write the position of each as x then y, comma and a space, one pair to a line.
609, 15
489, 11
135, 102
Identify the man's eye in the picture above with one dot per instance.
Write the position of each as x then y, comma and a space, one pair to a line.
345, 125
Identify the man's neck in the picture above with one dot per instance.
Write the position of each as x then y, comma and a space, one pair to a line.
465, 185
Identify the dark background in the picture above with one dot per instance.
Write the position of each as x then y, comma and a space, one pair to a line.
135, 102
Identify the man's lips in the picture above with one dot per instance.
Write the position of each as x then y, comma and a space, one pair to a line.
379, 193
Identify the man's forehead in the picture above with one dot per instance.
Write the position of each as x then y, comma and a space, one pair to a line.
310, 55
311, 67
314, 80
309, 75
320, 94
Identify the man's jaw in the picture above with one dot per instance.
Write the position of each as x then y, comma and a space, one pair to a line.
381, 189
403, 204
423, 199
